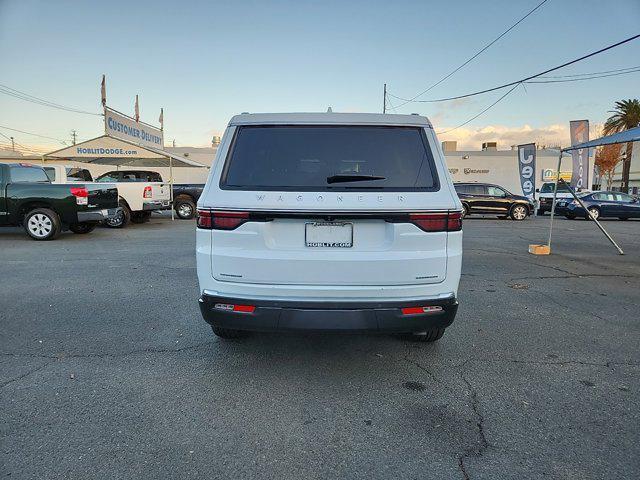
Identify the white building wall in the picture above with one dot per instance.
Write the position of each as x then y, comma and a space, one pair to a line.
501, 167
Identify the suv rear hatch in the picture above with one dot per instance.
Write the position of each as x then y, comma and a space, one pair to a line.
330, 205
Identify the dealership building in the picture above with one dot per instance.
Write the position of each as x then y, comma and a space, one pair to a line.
490, 165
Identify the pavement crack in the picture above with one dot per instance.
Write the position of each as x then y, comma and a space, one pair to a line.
482, 442
24, 375
574, 275
462, 468
421, 367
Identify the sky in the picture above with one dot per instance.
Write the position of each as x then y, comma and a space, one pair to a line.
204, 61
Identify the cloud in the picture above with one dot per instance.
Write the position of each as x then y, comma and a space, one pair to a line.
472, 138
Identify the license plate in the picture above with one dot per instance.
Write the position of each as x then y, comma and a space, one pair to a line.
328, 234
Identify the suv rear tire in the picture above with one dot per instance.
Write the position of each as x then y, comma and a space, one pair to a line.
519, 212
227, 333
428, 336
42, 224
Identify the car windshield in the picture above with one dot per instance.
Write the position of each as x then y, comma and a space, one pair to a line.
322, 158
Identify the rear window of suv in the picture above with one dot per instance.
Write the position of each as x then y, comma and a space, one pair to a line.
320, 158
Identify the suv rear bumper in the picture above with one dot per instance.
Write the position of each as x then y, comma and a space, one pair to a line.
273, 315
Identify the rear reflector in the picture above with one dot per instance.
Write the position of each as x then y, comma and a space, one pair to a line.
81, 194
421, 310
221, 220
235, 308
437, 222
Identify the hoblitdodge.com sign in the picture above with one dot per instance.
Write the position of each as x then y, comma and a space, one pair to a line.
120, 126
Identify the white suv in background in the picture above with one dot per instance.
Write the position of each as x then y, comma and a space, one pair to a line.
329, 221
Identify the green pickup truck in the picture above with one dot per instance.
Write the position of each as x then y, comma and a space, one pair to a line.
28, 198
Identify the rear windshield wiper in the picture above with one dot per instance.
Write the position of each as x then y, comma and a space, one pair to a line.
353, 178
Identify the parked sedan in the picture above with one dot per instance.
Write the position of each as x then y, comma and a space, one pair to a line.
492, 199
604, 204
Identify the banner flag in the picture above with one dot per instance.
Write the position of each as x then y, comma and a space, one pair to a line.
103, 91
579, 131
137, 110
527, 169
161, 119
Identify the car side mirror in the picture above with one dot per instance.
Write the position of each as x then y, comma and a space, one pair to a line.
537, 190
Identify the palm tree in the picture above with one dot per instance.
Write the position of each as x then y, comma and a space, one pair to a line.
626, 115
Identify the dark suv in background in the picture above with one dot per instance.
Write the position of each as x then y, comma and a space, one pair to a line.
492, 199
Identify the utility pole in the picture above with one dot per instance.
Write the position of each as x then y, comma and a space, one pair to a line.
13, 144
73, 136
384, 99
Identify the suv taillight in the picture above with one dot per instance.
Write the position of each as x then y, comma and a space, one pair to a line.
147, 192
81, 194
220, 220
437, 222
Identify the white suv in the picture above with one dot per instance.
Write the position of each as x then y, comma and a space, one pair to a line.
329, 221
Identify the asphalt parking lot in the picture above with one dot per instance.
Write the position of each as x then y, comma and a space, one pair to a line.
109, 372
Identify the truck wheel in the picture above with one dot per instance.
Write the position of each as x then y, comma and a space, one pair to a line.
140, 217
120, 219
519, 212
465, 210
42, 224
81, 228
227, 333
185, 208
427, 337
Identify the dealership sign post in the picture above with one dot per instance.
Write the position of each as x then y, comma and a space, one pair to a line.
120, 126
579, 131
527, 169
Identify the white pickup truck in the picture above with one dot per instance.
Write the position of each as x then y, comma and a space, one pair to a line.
545, 196
139, 192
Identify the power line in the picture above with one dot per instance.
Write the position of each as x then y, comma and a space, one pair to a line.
40, 101
31, 133
546, 81
483, 111
22, 147
580, 79
475, 55
523, 80
591, 73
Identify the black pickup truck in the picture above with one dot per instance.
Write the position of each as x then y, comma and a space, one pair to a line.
185, 198
44, 209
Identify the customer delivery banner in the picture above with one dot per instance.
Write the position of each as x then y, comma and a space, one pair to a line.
527, 169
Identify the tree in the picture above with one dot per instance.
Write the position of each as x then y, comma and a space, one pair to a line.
607, 158
626, 115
